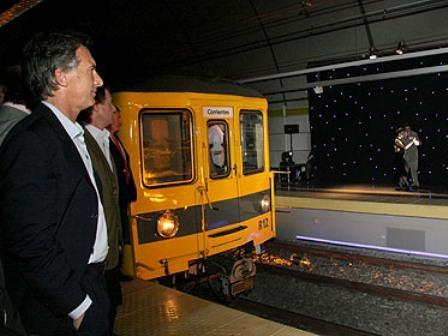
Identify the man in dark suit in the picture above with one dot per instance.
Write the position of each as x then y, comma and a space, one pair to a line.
53, 231
128, 192
411, 143
11, 112
95, 120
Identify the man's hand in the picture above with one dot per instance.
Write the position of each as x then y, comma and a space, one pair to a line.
78, 321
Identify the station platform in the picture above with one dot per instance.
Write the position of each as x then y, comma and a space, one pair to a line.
150, 309
366, 216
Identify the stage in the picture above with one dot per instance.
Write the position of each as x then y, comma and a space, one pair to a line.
389, 197
368, 215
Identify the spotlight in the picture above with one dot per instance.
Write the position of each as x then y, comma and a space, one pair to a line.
401, 48
307, 3
373, 53
318, 90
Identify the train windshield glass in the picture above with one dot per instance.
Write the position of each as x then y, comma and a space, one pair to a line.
218, 144
166, 147
252, 144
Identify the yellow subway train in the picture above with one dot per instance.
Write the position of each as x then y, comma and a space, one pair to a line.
200, 158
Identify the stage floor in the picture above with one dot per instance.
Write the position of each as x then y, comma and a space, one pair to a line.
364, 198
370, 193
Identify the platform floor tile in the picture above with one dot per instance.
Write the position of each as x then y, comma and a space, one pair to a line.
150, 309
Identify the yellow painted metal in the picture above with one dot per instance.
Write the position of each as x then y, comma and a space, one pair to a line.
168, 256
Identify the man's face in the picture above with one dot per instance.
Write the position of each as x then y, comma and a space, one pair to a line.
82, 81
104, 111
116, 122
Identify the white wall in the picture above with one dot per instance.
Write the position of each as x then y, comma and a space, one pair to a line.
280, 142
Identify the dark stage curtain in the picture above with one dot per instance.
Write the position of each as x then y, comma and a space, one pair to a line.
353, 126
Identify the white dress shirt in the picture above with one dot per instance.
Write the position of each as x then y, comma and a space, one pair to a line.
102, 139
100, 247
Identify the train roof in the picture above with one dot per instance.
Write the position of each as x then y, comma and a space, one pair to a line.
186, 84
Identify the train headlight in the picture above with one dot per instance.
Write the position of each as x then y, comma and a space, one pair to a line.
167, 225
265, 203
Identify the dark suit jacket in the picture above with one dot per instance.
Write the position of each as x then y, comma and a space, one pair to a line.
109, 198
48, 215
411, 154
10, 324
128, 192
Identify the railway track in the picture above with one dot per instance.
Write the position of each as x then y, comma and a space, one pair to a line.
289, 267
370, 288
371, 260
385, 292
293, 288
296, 320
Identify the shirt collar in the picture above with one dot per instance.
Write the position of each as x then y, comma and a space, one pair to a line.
20, 107
98, 133
74, 129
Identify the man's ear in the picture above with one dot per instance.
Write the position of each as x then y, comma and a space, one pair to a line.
95, 107
60, 77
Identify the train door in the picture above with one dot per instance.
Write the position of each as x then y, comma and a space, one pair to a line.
165, 206
221, 180
254, 182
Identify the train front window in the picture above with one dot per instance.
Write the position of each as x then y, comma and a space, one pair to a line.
218, 144
252, 142
166, 147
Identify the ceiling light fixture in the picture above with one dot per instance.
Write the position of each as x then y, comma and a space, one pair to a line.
401, 48
373, 53
318, 89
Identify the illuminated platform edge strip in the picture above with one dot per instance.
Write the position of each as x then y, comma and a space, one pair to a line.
378, 208
373, 247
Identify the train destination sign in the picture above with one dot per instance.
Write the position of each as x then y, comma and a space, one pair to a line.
217, 112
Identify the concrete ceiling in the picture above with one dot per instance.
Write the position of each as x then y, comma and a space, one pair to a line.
232, 39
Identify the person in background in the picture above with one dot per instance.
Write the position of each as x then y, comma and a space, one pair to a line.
128, 192
309, 165
14, 107
11, 112
400, 164
95, 120
411, 143
53, 232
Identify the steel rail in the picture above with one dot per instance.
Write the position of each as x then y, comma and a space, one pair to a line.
370, 260
381, 291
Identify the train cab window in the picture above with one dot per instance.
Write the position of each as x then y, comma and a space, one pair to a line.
166, 147
252, 142
218, 144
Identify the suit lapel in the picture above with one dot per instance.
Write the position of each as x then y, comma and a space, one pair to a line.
76, 167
